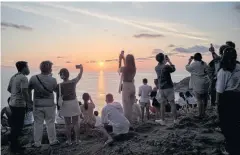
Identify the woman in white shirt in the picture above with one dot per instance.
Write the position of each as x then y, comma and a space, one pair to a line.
228, 100
199, 81
191, 101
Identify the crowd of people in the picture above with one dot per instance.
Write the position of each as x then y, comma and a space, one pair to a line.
220, 78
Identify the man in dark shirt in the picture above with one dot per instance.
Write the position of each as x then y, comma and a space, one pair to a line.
165, 85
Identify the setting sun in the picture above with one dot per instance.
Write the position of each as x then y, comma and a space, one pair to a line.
101, 64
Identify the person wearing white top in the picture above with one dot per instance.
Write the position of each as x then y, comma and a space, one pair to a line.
136, 112
199, 81
191, 101
228, 100
144, 93
113, 113
98, 120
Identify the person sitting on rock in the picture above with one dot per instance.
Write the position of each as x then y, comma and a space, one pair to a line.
191, 101
181, 102
6, 115
136, 115
112, 114
98, 120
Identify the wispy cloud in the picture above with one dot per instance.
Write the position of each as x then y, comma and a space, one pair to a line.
145, 35
193, 49
68, 62
60, 57
136, 24
169, 28
34, 11
16, 26
156, 51
171, 45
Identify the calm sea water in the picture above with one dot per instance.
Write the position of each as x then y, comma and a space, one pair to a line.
97, 84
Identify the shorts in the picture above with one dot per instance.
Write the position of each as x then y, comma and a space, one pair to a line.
167, 95
145, 104
201, 96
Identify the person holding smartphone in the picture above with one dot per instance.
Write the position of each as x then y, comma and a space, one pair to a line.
70, 109
165, 86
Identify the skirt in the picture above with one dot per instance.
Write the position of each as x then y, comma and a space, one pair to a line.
70, 108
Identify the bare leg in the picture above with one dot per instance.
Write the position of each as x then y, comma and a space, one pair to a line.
147, 112
76, 126
173, 109
142, 110
68, 128
205, 100
163, 111
105, 133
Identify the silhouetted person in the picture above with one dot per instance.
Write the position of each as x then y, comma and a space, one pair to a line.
228, 99
18, 87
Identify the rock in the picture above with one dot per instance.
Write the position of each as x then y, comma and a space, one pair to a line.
182, 86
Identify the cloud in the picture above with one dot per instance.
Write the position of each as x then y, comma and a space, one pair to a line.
145, 35
237, 8
60, 57
39, 13
111, 60
193, 49
16, 26
136, 24
68, 62
171, 45
156, 51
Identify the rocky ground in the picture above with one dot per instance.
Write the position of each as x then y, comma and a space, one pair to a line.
191, 136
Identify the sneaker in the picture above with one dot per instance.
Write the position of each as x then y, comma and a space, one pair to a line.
55, 143
161, 122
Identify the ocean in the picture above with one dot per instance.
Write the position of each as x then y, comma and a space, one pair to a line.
97, 84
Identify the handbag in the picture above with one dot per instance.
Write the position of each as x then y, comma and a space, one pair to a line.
60, 99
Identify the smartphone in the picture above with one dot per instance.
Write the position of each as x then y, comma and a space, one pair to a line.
192, 57
78, 66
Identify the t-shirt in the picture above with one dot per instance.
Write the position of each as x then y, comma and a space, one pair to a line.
144, 93
227, 81
164, 75
199, 80
181, 101
43, 97
68, 89
112, 114
17, 83
98, 122
191, 100
136, 114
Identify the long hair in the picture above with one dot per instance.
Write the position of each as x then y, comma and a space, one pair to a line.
85, 98
130, 62
198, 57
229, 59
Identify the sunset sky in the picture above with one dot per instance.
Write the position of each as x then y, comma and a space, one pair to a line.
94, 33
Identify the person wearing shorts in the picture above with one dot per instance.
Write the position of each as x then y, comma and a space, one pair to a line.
144, 93
165, 86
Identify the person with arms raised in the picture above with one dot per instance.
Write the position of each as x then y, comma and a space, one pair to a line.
199, 81
165, 86
70, 109
18, 87
128, 87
